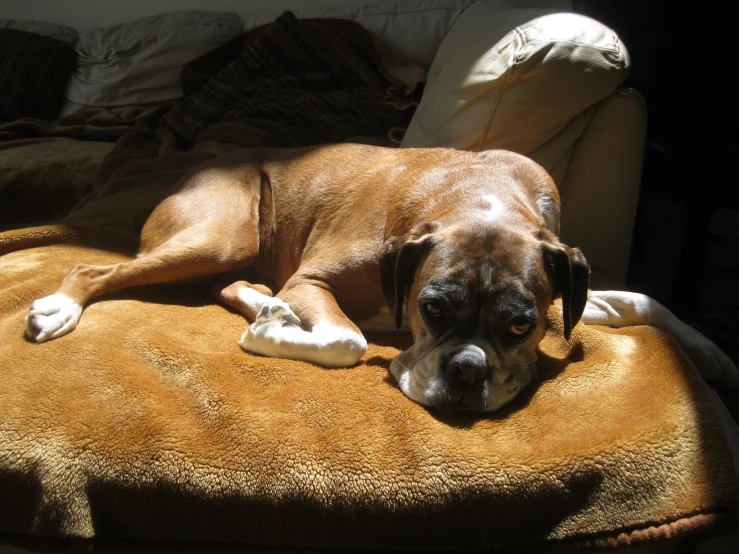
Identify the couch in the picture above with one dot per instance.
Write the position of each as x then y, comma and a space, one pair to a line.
279, 455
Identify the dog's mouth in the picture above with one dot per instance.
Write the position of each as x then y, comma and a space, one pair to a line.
431, 386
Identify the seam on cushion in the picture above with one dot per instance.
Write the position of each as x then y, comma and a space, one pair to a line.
218, 22
571, 150
619, 50
463, 5
616, 41
578, 43
461, 8
119, 49
496, 105
219, 25
516, 61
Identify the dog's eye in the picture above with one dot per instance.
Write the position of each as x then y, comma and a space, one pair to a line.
519, 328
433, 310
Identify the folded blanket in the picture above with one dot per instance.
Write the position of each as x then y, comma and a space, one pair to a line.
47, 168
149, 423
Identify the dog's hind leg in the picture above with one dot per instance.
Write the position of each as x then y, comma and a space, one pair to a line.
194, 233
176, 260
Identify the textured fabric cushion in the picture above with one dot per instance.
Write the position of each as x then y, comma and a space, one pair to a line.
53, 30
139, 63
511, 79
33, 72
148, 422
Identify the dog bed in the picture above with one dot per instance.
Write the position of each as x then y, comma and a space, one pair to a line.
149, 423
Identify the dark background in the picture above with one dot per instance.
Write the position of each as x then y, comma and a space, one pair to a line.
685, 251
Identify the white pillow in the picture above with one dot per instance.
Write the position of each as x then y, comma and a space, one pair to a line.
514, 79
139, 63
53, 30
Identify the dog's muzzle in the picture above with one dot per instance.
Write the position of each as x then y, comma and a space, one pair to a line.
468, 364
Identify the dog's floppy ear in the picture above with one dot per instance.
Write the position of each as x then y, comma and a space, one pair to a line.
571, 277
399, 262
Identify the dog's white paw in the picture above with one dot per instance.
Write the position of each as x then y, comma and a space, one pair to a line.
270, 327
278, 333
52, 317
274, 314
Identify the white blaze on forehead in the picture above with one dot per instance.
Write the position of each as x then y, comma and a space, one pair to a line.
495, 206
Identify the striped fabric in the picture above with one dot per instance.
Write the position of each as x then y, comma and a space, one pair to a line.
33, 72
295, 83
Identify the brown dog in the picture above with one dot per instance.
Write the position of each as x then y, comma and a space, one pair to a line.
467, 242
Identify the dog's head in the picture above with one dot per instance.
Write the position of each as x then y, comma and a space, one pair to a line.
476, 297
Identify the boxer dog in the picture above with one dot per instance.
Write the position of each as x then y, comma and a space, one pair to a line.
461, 245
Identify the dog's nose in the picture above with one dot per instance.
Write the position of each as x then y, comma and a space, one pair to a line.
469, 364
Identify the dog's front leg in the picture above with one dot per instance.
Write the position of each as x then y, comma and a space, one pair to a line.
303, 322
622, 309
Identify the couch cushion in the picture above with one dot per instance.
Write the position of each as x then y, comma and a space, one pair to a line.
37, 92
53, 30
139, 63
515, 79
600, 219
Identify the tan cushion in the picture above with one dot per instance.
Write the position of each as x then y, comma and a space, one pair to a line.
149, 423
515, 79
600, 189
139, 63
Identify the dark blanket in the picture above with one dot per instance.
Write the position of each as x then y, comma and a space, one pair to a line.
296, 83
47, 168
339, 85
288, 83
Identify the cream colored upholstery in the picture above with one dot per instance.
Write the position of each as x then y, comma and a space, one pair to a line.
600, 187
542, 84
